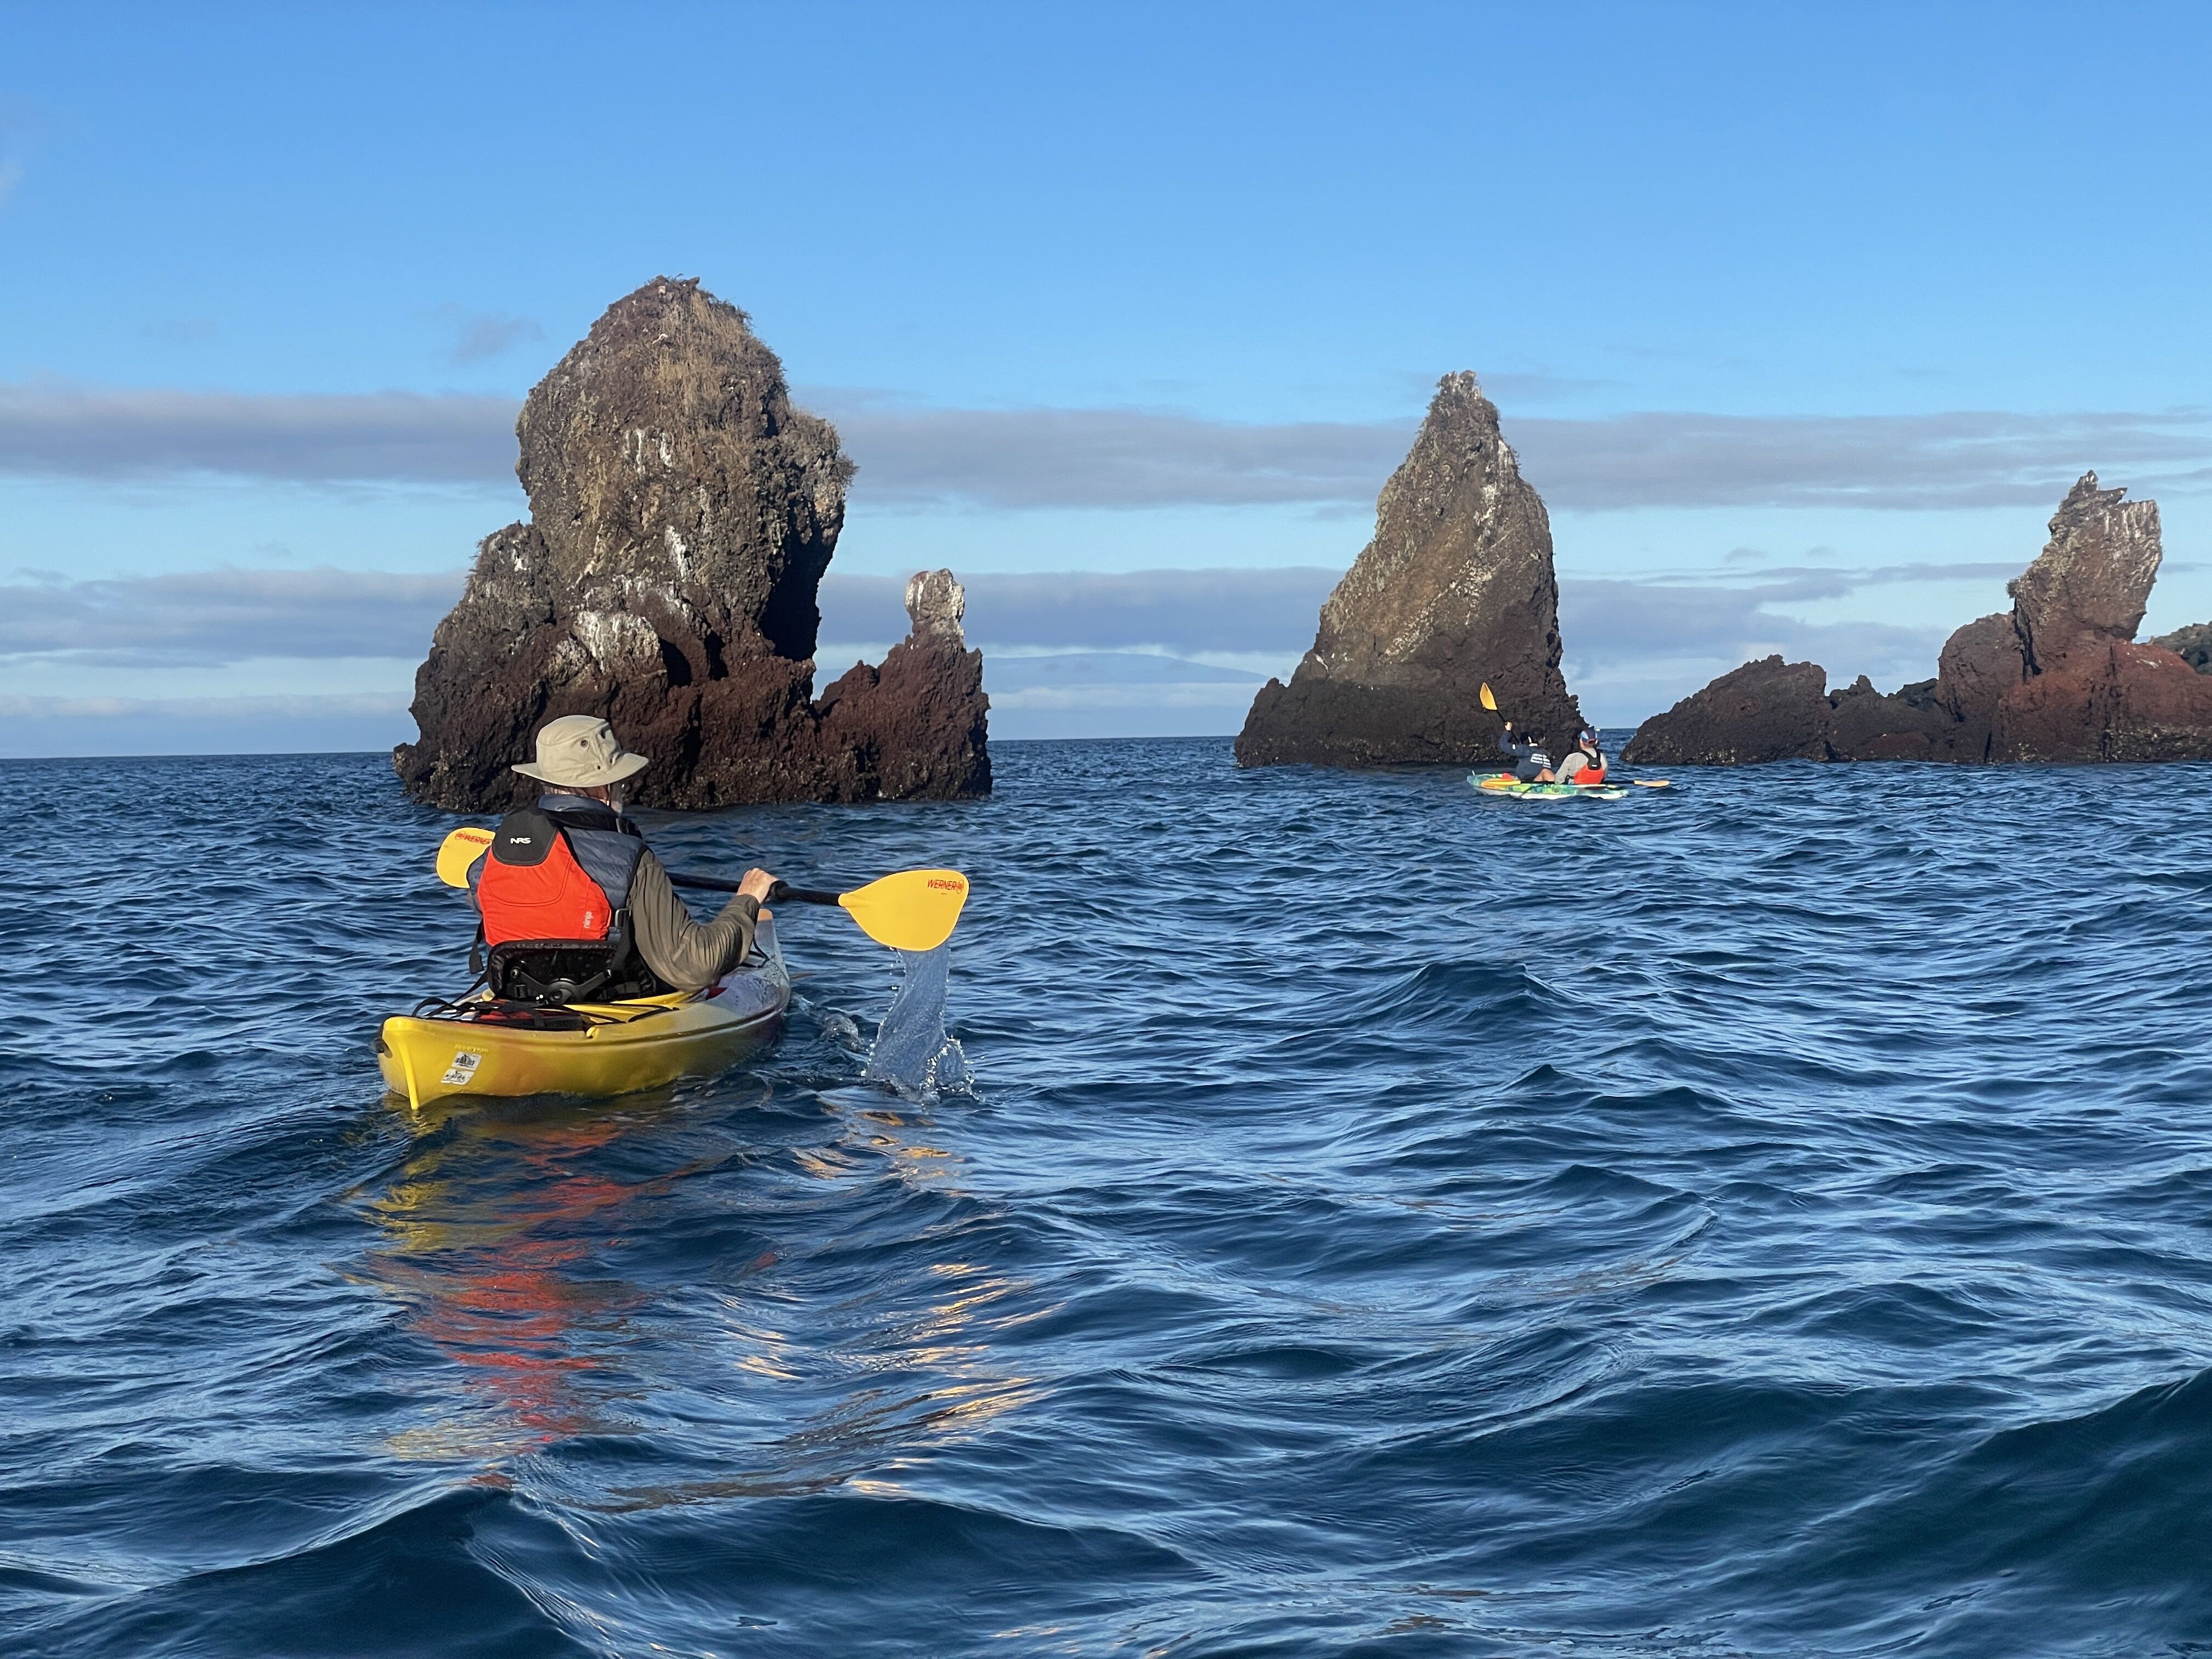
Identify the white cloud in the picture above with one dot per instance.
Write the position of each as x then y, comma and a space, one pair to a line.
1107, 695
50, 429
1217, 611
1964, 458
1129, 457
52, 727
1110, 458
1114, 679
1135, 624
214, 616
46, 708
1635, 647
479, 336
1035, 459
1067, 654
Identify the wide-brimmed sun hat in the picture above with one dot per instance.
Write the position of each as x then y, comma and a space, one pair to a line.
580, 752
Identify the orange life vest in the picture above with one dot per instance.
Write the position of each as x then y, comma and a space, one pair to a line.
529, 886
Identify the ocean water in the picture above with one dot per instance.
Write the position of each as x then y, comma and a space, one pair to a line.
1771, 1215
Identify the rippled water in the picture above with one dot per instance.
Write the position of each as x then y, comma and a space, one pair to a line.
1772, 1215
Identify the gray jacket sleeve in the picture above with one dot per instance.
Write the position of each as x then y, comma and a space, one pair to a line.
689, 955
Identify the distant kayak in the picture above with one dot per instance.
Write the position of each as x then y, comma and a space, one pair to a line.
1502, 783
599, 1049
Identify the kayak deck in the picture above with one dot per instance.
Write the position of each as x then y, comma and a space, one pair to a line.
616, 1047
1506, 784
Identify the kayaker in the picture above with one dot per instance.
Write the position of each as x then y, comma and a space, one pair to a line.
1584, 764
565, 868
1531, 764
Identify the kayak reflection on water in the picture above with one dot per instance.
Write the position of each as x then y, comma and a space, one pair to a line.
484, 1253
657, 1305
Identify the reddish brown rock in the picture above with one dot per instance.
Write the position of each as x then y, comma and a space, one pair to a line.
1862, 724
2087, 692
1456, 589
916, 725
2109, 701
683, 511
2058, 678
1980, 663
1771, 710
2192, 644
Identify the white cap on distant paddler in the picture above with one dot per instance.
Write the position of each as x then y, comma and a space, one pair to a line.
580, 752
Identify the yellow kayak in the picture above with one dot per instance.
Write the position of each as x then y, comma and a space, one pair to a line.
607, 1047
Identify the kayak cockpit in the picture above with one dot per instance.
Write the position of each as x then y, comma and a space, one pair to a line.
486, 1045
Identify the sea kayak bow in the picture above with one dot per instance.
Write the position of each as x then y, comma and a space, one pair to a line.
593, 1049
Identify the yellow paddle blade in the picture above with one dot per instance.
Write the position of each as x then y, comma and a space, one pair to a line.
912, 910
461, 849
1653, 783
1488, 702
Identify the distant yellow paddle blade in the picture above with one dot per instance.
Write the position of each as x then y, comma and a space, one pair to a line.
1654, 783
461, 849
1488, 702
912, 910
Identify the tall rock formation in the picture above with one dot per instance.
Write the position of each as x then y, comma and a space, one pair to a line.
1455, 589
683, 511
2057, 677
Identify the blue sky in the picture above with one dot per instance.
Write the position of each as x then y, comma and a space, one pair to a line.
1803, 319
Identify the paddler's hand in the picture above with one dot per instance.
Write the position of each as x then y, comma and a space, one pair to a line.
758, 886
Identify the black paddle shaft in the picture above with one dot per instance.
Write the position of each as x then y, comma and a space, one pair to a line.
776, 894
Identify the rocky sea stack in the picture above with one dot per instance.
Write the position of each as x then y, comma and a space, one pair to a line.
682, 515
1455, 589
2057, 677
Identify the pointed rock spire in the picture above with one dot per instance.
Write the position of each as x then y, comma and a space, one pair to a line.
1455, 590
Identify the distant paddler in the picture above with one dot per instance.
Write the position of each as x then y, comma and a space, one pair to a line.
1585, 767
575, 867
1584, 764
1530, 764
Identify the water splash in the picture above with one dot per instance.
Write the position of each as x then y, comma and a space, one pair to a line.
840, 1028
914, 1054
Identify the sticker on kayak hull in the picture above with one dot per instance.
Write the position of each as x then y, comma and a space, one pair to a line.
463, 1068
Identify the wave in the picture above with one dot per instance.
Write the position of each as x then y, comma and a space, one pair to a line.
1760, 1216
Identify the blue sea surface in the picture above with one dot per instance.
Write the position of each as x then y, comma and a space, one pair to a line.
1771, 1215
